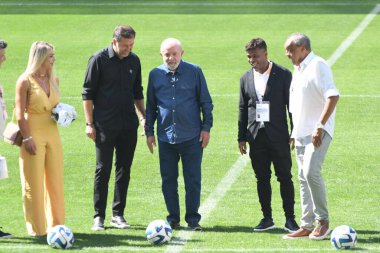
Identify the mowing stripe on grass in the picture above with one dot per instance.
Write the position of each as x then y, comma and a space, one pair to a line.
190, 3
354, 35
235, 170
211, 202
159, 249
79, 99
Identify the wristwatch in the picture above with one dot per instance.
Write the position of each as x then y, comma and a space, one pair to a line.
319, 125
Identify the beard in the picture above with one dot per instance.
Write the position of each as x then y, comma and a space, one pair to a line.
172, 65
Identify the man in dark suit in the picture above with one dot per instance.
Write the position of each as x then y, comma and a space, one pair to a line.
263, 106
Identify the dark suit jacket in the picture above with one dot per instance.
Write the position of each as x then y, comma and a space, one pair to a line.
277, 93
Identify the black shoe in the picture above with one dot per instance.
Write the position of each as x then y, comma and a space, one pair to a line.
291, 225
5, 235
174, 225
195, 226
265, 224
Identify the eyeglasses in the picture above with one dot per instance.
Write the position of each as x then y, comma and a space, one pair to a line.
3, 44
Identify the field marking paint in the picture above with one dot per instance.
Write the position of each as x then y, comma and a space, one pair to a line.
211, 202
190, 3
159, 249
353, 36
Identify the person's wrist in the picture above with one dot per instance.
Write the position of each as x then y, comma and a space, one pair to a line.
142, 118
90, 124
27, 139
319, 125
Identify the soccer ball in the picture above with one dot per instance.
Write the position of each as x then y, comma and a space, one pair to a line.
158, 232
344, 237
60, 237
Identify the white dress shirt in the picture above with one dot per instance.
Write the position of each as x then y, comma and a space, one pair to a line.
261, 81
311, 85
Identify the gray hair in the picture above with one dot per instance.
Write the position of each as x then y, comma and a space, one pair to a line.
299, 39
170, 42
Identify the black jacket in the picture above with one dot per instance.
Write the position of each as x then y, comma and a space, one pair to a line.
277, 93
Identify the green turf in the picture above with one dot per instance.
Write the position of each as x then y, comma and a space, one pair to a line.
216, 42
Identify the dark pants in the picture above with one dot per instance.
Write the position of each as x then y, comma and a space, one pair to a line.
263, 152
190, 152
124, 144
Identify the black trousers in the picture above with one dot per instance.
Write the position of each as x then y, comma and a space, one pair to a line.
263, 153
123, 143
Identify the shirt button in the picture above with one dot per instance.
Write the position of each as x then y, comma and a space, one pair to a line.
173, 110
173, 97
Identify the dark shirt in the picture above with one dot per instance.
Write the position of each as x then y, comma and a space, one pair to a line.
113, 84
176, 101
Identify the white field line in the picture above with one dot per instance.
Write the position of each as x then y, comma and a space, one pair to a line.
190, 3
228, 179
211, 202
353, 36
159, 249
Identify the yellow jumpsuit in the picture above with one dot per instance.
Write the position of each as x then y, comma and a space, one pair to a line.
42, 174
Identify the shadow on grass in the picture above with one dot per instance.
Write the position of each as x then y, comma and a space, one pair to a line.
241, 229
373, 236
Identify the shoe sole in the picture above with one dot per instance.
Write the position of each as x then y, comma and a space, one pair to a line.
97, 228
294, 238
289, 230
312, 237
115, 225
6, 237
264, 229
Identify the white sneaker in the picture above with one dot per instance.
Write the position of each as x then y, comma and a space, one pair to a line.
98, 224
119, 222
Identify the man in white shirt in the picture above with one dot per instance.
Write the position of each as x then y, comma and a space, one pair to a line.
312, 102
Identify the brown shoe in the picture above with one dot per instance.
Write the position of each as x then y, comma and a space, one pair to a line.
321, 231
300, 233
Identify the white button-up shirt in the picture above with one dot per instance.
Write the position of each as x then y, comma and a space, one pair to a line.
311, 86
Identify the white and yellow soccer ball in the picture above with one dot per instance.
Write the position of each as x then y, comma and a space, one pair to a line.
344, 237
60, 237
158, 232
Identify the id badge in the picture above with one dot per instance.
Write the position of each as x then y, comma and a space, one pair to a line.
262, 111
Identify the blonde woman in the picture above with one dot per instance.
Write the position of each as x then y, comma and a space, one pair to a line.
41, 158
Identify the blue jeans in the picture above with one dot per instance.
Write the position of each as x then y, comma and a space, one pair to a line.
190, 152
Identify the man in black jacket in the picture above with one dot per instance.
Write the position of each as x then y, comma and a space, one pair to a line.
111, 91
263, 106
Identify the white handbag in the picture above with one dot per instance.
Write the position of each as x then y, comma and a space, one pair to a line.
3, 168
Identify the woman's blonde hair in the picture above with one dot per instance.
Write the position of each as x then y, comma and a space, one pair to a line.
38, 53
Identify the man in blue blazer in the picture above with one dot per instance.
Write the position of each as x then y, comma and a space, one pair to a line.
263, 107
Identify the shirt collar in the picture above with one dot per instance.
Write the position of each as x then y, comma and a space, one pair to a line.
306, 61
266, 73
111, 52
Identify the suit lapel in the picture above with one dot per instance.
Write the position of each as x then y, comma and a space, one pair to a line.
251, 84
271, 81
